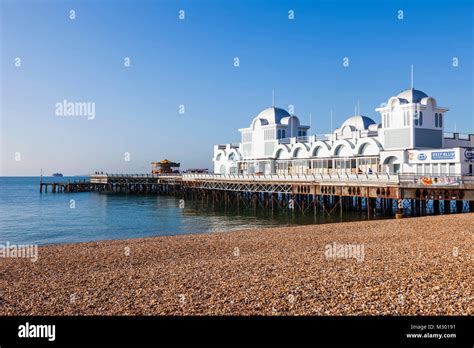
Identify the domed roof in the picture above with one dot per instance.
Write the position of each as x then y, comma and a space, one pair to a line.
359, 122
273, 114
412, 95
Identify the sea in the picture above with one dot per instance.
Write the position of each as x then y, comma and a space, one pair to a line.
29, 217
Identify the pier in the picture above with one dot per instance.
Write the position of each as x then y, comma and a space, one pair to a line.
395, 194
58, 187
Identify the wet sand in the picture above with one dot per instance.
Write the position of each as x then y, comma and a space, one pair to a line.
417, 266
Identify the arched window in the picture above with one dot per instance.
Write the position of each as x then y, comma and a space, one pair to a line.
415, 117
421, 118
279, 134
283, 135
436, 120
440, 122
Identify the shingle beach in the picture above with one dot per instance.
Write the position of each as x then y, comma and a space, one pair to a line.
420, 266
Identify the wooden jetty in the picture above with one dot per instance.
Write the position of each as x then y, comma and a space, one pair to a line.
391, 194
74, 186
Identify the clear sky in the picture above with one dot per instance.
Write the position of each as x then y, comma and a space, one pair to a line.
190, 62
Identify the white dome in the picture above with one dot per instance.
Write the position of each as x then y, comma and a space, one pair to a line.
358, 122
412, 95
273, 115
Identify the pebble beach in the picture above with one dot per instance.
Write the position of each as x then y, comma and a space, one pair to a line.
412, 266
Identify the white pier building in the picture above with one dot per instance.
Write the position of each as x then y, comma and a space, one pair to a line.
409, 140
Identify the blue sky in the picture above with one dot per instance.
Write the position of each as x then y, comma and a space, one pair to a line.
190, 62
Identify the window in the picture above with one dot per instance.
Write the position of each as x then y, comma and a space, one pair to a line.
269, 134
451, 169
247, 137
421, 118
415, 117
439, 120
283, 135
406, 118
386, 121
299, 133
427, 168
419, 169
444, 167
279, 134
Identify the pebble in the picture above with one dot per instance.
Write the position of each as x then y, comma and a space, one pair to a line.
408, 269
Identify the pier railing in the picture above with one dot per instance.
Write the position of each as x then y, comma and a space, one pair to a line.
397, 179
411, 180
386, 178
105, 178
107, 175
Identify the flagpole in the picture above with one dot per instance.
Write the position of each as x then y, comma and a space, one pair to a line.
331, 123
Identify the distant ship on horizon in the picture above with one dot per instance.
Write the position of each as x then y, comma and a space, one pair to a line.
57, 174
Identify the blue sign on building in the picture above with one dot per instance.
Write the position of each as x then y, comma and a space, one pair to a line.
421, 156
469, 154
442, 155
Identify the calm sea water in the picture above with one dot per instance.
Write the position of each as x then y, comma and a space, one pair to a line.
26, 216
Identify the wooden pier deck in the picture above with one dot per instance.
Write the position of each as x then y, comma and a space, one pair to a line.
58, 187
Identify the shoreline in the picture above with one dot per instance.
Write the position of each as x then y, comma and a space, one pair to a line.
233, 230
413, 266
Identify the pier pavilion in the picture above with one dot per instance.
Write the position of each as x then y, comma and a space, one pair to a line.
410, 139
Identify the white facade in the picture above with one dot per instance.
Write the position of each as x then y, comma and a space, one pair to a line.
410, 139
